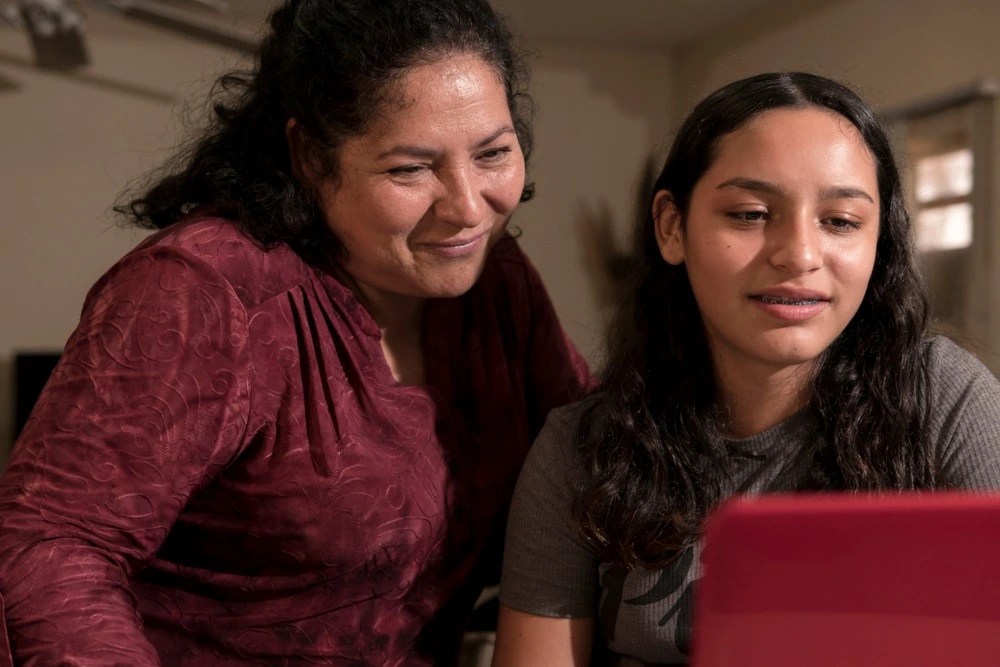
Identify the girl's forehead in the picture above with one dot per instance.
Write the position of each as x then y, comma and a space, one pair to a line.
785, 126
795, 145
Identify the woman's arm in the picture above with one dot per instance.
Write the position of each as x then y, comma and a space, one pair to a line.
527, 640
147, 403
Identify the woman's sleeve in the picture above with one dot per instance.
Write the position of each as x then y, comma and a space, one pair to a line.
147, 403
547, 569
964, 418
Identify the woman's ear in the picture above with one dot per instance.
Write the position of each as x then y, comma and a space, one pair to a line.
668, 228
298, 153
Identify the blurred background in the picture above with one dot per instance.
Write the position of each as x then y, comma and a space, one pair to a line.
95, 93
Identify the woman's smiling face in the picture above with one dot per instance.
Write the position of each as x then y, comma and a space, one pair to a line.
779, 237
423, 195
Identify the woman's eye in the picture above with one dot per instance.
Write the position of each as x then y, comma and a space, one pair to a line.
494, 154
408, 170
748, 216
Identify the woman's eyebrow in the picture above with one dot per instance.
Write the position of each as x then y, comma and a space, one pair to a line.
431, 153
496, 135
410, 151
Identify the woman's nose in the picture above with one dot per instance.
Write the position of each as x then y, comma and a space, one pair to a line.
461, 201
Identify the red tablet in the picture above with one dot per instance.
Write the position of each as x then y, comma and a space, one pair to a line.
840, 580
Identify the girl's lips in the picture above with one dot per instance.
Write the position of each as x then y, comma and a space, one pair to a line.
790, 308
792, 300
788, 293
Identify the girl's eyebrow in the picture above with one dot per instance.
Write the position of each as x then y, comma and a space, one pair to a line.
752, 184
756, 185
845, 192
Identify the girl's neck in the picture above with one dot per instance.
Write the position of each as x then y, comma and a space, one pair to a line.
756, 399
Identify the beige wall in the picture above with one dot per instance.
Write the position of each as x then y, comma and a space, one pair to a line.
600, 114
892, 52
72, 143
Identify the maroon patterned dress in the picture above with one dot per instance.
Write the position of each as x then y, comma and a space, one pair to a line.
223, 471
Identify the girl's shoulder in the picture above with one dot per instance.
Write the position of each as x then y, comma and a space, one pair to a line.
963, 398
963, 417
558, 440
952, 369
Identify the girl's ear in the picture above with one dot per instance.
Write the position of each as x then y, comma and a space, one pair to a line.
668, 228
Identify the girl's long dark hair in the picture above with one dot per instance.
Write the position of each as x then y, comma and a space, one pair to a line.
653, 455
333, 66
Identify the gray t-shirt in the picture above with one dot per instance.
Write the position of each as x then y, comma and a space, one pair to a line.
644, 616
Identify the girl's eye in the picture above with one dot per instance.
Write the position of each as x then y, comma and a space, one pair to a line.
748, 216
842, 224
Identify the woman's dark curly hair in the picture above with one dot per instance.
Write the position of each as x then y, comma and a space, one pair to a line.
333, 66
652, 448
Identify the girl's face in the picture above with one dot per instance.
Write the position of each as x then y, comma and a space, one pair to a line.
779, 238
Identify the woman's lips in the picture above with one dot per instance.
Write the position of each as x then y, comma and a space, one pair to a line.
456, 247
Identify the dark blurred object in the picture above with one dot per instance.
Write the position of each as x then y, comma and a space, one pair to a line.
8, 85
487, 609
185, 23
56, 31
609, 266
31, 372
56, 27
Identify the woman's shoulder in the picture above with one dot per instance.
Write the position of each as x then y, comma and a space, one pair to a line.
254, 272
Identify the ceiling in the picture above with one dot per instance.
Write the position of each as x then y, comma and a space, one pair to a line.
633, 24
640, 24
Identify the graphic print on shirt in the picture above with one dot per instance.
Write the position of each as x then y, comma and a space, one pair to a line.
673, 587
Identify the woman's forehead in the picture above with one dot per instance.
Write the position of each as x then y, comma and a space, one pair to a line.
457, 94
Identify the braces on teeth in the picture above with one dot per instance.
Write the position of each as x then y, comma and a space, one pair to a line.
789, 302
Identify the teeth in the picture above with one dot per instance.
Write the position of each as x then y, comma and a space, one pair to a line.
788, 302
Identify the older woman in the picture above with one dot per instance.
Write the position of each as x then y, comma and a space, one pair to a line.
288, 426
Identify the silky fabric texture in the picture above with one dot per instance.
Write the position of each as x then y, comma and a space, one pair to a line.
222, 469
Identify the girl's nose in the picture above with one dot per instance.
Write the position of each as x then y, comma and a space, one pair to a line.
796, 245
